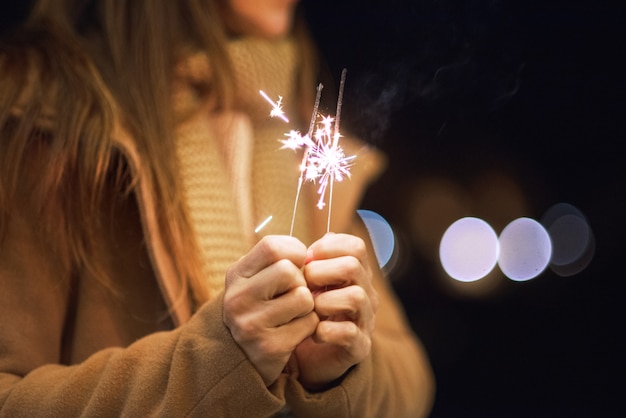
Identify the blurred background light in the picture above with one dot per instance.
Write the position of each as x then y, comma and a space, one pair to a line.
381, 234
525, 249
573, 241
434, 203
469, 249
498, 197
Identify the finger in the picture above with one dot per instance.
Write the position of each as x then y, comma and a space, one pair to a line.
288, 307
348, 302
345, 334
337, 245
275, 280
294, 332
269, 250
335, 272
251, 322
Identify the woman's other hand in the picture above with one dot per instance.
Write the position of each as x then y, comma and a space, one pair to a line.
268, 307
338, 273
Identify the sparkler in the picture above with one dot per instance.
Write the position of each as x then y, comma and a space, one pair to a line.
324, 160
329, 156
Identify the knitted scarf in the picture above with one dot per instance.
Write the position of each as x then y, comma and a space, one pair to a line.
233, 172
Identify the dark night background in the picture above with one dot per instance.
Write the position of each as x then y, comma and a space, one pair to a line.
534, 92
518, 105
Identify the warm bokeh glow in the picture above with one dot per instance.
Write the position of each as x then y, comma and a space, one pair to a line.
433, 205
498, 198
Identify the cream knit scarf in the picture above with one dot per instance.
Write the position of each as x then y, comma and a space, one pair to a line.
234, 173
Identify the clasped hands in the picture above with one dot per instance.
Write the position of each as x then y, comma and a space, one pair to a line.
317, 304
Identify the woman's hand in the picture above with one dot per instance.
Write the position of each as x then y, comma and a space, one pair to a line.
268, 307
338, 273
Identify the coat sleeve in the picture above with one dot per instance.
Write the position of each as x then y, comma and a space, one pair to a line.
191, 371
396, 380
194, 370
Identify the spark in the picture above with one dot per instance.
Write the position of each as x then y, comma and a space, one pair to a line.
263, 224
277, 110
329, 163
296, 141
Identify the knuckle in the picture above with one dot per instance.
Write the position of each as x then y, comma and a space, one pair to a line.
324, 329
284, 267
357, 295
359, 247
351, 269
269, 246
314, 320
248, 329
304, 299
275, 246
357, 302
244, 331
351, 331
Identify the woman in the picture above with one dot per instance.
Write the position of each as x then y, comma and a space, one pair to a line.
136, 157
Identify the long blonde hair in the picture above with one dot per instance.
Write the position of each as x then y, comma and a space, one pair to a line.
107, 62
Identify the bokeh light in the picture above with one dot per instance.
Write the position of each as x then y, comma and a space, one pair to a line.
434, 203
381, 234
525, 249
573, 241
469, 249
563, 241
498, 198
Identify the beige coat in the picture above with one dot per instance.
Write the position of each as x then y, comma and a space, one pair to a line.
81, 350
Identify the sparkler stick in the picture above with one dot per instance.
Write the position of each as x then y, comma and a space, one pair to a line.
342, 84
335, 143
318, 96
305, 156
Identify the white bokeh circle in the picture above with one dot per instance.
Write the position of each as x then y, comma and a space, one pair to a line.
525, 249
469, 249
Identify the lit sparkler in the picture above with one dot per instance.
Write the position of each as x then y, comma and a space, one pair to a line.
328, 157
324, 160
